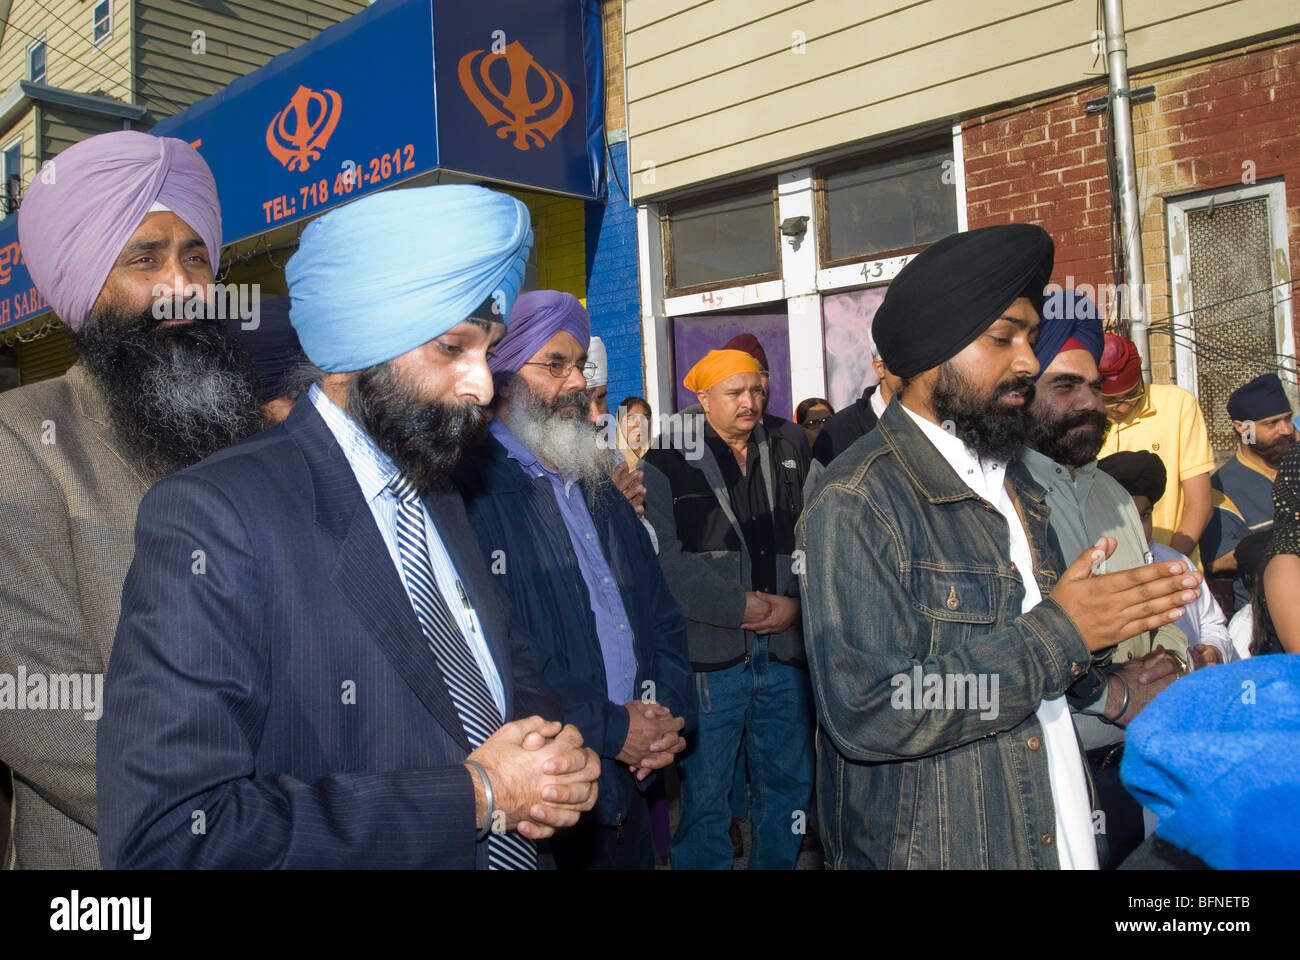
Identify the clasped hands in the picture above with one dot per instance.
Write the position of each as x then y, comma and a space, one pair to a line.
542, 777
768, 613
653, 738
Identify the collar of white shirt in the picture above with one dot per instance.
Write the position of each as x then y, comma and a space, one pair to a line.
985, 477
374, 469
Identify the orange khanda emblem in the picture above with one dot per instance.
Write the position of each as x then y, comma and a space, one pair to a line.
514, 110
296, 148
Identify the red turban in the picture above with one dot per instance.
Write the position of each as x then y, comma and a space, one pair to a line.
1120, 367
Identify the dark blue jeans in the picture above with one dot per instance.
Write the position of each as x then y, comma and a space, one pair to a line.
767, 706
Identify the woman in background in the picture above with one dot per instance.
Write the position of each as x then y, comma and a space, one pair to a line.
634, 420
812, 415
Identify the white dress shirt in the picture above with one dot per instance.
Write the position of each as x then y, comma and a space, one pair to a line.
374, 469
878, 403
1075, 846
1202, 620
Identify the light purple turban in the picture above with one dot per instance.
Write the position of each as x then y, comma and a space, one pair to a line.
537, 316
84, 205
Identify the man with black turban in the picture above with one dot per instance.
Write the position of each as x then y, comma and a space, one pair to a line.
942, 626
1143, 476
1242, 489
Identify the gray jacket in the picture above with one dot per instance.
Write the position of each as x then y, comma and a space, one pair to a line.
68, 499
702, 548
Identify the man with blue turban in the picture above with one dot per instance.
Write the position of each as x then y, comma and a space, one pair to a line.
314, 667
118, 231
1069, 424
580, 573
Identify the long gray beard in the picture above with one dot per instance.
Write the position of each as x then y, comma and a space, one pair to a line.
569, 445
175, 396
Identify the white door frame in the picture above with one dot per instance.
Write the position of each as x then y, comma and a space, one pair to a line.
1180, 275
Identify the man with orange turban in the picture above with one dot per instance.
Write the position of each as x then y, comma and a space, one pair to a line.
1166, 420
725, 522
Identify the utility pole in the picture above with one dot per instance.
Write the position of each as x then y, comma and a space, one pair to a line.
1130, 209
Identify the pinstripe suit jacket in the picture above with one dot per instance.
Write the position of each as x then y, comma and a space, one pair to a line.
68, 501
271, 700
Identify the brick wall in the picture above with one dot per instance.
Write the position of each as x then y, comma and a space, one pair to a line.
611, 17
613, 293
1044, 162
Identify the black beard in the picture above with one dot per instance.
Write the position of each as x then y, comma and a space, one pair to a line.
1272, 453
1058, 440
426, 439
993, 430
175, 394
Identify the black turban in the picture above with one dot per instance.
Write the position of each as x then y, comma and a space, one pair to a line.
1140, 472
955, 289
272, 346
1260, 399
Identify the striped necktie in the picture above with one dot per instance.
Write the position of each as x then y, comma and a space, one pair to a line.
469, 691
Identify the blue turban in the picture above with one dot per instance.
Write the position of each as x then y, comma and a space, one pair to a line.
537, 316
1214, 756
1068, 316
378, 277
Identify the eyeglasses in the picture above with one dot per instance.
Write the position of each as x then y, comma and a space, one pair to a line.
1131, 397
560, 369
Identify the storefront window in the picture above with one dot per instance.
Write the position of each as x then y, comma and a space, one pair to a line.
884, 207
722, 241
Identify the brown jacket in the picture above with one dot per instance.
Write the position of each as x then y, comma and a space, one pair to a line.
68, 501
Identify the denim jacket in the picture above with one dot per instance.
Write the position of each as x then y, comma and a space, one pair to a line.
907, 567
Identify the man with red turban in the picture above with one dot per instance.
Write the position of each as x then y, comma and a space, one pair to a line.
1166, 420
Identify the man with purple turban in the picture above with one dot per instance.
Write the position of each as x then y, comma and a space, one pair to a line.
117, 231
581, 574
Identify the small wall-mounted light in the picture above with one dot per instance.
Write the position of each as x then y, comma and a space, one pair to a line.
794, 228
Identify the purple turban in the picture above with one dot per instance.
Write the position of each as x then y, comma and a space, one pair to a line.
537, 316
84, 205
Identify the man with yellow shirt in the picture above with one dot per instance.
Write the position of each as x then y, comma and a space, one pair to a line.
1166, 420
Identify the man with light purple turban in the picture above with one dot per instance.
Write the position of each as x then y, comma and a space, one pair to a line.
580, 572
118, 231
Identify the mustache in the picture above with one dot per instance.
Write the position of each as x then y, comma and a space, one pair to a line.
1021, 385
578, 400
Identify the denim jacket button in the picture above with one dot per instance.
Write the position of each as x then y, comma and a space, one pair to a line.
1075, 669
1047, 839
1033, 743
953, 601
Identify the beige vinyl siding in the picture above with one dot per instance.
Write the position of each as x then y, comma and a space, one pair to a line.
26, 127
72, 61
717, 88
239, 36
61, 127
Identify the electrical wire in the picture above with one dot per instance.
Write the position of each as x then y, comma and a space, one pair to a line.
106, 56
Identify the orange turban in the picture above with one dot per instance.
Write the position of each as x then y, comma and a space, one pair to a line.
715, 366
